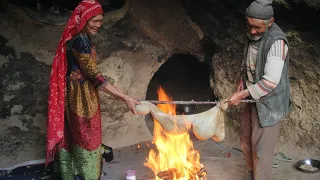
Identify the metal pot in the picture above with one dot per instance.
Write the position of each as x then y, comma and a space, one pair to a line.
188, 109
185, 109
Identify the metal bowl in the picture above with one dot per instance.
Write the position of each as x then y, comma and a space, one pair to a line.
312, 162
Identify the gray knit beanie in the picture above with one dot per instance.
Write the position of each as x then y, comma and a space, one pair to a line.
260, 9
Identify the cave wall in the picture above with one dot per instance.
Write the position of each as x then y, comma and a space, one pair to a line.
133, 43
26, 52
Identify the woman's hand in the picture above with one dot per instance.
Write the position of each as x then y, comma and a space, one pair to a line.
131, 103
117, 92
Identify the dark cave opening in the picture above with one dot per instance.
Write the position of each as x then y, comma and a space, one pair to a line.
183, 77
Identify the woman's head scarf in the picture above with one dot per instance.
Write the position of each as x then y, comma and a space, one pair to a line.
85, 10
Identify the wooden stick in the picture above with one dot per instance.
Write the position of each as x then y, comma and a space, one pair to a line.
194, 102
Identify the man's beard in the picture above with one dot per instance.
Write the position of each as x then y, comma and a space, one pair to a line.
257, 37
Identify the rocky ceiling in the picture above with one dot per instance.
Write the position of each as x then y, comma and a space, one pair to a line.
311, 3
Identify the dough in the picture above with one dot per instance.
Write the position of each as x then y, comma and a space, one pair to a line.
208, 124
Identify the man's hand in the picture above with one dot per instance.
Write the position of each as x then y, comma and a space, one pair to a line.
235, 98
240, 86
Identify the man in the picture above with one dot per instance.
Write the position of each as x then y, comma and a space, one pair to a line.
265, 79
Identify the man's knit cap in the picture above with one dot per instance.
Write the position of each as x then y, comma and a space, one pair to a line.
260, 9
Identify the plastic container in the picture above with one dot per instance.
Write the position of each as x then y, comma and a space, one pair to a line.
130, 175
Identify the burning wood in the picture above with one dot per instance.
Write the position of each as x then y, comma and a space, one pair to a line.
202, 174
171, 174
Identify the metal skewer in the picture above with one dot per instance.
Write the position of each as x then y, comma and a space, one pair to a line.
195, 102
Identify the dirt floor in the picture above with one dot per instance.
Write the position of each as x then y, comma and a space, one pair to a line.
213, 156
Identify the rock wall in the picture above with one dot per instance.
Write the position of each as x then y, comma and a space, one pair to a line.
26, 52
133, 43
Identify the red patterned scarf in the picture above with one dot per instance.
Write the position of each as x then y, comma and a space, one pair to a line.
55, 124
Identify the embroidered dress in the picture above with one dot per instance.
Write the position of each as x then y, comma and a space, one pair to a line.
82, 121
74, 124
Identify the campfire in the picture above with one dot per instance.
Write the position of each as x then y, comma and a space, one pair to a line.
174, 157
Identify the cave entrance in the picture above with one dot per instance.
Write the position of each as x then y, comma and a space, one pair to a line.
183, 77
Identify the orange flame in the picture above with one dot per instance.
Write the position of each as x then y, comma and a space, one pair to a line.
174, 152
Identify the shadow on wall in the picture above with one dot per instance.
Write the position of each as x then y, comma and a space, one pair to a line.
24, 82
6, 50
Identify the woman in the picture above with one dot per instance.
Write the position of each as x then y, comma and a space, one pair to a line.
74, 123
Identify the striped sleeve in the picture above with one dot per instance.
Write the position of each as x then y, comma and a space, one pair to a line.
272, 71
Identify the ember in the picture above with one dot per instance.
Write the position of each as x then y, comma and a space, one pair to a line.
174, 157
